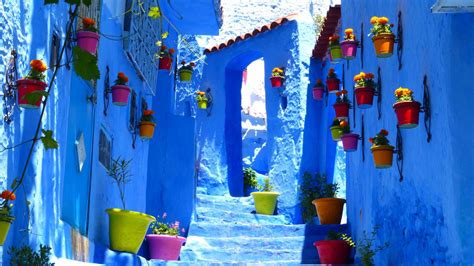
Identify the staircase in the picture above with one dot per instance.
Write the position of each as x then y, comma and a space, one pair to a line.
227, 232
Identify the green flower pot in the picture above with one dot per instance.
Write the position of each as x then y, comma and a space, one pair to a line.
127, 229
336, 52
265, 202
336, 132
202, 104
4, 228
185, 75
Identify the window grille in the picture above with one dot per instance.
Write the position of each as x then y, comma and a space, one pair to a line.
105, 149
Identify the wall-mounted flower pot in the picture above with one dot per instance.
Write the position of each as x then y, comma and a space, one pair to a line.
342, 110
349, 142
333, 251
88, 41
364, 97
408, 114
336, 132
349, 49
120, 95
277, 82
164, 247
202, 104
265, 202
383, 44
127, 229
4, 228
165, 63
383, 156
332, 84
185, 75
318, 93
329, 210
336, 52
147, 129
26, 86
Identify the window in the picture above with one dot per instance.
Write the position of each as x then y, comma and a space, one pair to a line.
105, 149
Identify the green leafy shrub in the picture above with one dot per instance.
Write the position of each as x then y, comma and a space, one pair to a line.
250, 178
365, 249
26, 256
267, 186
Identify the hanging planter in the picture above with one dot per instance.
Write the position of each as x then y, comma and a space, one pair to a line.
266, 199
349, 140
186, 71
336, 130
31, 89
6, 217
120, 91
364, 90
381, 150
147, 126
382, 36
278, 77
328, 207
332, 82
342, 105
88, 38
333, 251
318, 90
165, 243
202, 100
166, 58
406, 108
335, 48
349, 45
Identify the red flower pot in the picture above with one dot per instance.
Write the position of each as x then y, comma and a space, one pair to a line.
333, 251
332, 84
349, 141
277, 82
165, 63
318, 93
88, 41
364, 97
165, 247
26, 86
342, 110
349, 49
120, 95
408, 114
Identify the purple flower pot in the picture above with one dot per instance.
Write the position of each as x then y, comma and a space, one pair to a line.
120, 95
349, 142
165, 247
88, 41
349, 49
318, 93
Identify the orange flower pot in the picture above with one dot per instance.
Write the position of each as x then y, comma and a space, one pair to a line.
147, 129
329, 210
383, 156
383, 44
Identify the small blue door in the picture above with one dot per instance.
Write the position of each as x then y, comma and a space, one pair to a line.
77, 179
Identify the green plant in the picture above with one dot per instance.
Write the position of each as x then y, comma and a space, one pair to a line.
364, 80
349, 35
380, 138
380, 25
88, 24
267, 186
346, 129
333, 235
165, 52
185, 66
162, 228
319, 22
147, 116
250, 178
334, 40
404, 95
365, 249
122, 79
310, 189
278, 72
336, 122
6, 208
201, 96
331, 74
25, 256
120, 173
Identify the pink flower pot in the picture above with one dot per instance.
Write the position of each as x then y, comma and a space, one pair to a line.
165, 63
332, 84
318, 93
26, 86
349, 141
342, 110
88, 41
165, 247
120, 95
349, 49
277, 82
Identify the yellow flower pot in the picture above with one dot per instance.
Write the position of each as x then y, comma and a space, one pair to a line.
202, 104
336, 132
4, 228
265, 202
185, 75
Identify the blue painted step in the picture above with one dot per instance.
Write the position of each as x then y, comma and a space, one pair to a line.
212, 215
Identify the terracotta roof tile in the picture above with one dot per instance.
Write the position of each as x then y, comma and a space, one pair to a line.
329, 28
248, 35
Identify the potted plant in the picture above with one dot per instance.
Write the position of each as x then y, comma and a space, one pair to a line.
31, 88
406, 108
336, 130
147, 124
382, 36
120, 90
127, 229
365, 250
265, 200
336, 249
202, 100
6, 217
334, 48
27, 256
87, 37
328, 207
342, 105
311, 187
349, 140
364, 89
250, 181
332, 82
186, 71
278, 76
318, 90
164, 243
382, 152
349, 45
166, 57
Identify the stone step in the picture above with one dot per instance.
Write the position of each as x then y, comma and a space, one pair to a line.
213, 199
228, 263
244, 206
212, 215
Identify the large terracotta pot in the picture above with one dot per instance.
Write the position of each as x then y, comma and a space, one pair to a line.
342, 110
88, 41
383, 44
147, 129
329, 210
164, 247
408, 114
333, 251
383, 156
364, 97
26, 86
265, 202
349, 49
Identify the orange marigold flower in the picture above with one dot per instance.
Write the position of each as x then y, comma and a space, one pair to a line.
338, 93
122, 77
374, 20
383, 20
399, 92
171, 51
319, 81
192, 64
88, 22
369, 75
344, 92
183, 62
356, 78
38, 65
371, 140
384, 132
8, 195
331, 70
163, 47
349, 31
148, 112
344, 123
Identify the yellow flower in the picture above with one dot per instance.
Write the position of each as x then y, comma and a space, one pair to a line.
349, 31
362, 75
374, 20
